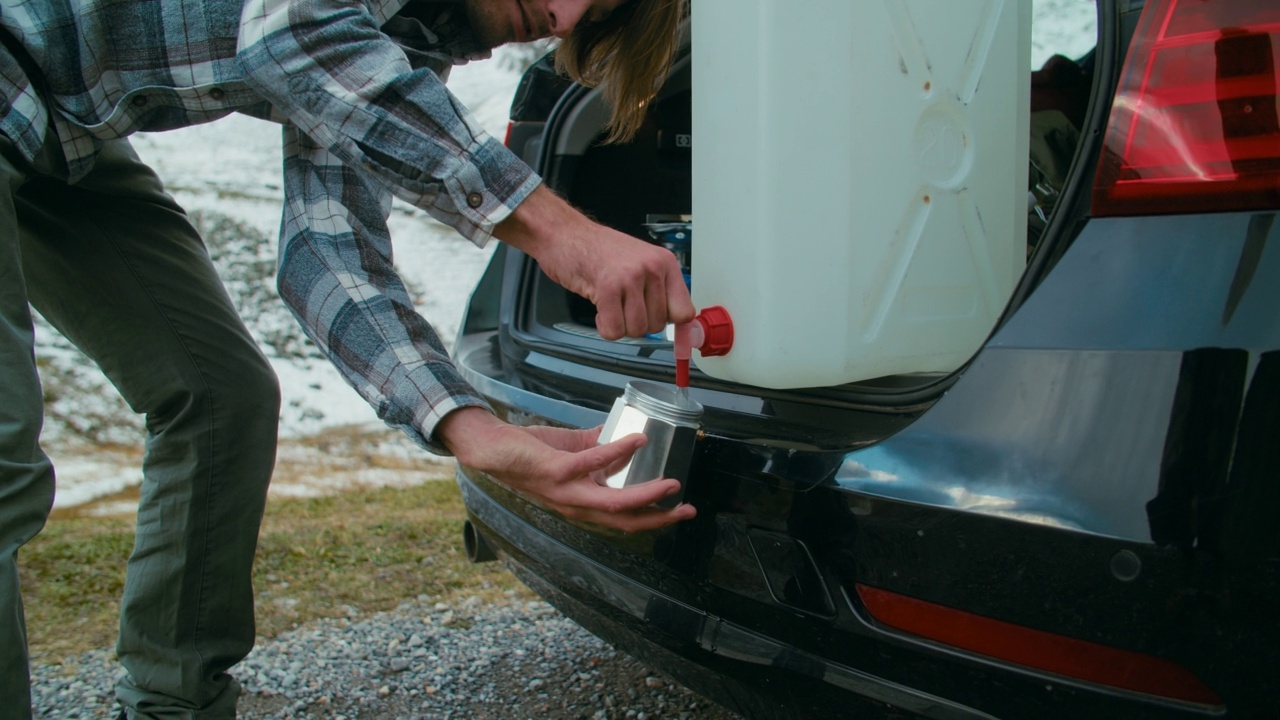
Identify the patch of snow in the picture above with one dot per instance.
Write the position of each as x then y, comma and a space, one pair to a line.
1062, 27
84, 478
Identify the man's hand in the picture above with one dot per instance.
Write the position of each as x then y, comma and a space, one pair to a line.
637, 287
562, 469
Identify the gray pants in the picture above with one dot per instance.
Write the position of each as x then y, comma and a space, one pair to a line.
116, 266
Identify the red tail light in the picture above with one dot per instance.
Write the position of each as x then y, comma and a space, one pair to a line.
1037, 649
1194, 124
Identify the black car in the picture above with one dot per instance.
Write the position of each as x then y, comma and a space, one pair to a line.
1082, 521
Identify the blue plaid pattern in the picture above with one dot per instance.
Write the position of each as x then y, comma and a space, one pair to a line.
358, 87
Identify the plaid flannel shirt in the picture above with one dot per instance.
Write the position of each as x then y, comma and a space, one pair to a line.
366, 116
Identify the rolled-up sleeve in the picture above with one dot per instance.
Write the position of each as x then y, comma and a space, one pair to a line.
327, 66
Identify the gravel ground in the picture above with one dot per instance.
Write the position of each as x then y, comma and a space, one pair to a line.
421, 660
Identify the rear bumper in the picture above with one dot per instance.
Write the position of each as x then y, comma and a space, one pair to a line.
760, 675
681, 639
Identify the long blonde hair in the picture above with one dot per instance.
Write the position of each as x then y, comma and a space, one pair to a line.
627, 55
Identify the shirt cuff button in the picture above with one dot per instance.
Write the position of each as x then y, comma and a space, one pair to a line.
475, 200
139, 100
216, 93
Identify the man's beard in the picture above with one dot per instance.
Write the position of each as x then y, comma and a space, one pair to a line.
489, 26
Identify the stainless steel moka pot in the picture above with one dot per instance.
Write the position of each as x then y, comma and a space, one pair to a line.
670, 421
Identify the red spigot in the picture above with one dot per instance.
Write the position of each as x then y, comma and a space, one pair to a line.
711, 331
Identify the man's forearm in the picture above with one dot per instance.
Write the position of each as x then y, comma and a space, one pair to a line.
636, 286
465, 428
535, 223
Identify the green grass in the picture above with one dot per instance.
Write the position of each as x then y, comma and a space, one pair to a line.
363, 549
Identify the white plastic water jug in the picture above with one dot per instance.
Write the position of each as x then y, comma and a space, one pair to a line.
859, 182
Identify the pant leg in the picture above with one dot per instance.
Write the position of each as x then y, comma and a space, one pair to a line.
26, 477
114, 263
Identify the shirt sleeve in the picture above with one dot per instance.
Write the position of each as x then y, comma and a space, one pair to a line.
364, 125
327, 66
336, 275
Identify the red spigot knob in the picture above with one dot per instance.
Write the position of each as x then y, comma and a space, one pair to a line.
717, 331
